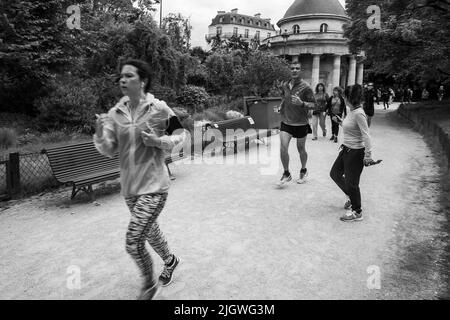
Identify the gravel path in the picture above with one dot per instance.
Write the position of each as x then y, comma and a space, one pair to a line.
239, 237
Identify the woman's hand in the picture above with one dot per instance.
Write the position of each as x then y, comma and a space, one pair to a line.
150, 139
102, 119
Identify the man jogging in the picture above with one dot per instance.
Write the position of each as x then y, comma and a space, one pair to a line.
298, 99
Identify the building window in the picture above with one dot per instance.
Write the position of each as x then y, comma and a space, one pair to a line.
219, 30
246, 33
233, 19
235, 31
265, 25
323, 27
258, 23
221, 19
296, 29
242, 21
257, 35
250, 22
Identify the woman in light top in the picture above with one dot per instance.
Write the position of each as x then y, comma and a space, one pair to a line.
356, 151
141, 128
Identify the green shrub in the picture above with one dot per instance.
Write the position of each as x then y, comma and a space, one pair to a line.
212, 114
164, 93
72, 102
193, 98
8, 138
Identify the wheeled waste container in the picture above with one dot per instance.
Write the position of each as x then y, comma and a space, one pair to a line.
262, 111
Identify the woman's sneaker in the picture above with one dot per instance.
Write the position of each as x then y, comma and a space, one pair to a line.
150, 293
351, 216
167, 274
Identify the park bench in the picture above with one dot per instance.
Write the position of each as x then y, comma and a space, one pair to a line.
240, 125
81, 165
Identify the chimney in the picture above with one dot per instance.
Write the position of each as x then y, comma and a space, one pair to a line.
220, 12
258, 15
234, 11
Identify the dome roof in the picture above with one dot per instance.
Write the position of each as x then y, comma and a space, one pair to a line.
304, 7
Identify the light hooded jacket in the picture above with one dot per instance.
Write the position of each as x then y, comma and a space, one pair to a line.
142, 168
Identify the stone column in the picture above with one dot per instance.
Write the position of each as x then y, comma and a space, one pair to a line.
351, 71
336, 71
360, 73
315, 71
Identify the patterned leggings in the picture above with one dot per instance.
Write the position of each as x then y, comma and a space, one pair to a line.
145, 209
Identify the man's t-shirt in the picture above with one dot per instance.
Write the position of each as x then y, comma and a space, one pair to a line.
292, 114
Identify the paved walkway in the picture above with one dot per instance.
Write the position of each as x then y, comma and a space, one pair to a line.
241, 238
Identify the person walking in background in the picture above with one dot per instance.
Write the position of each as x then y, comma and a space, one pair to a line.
141, 129
409, 94
318, 116
425, 94
378, 96
391, 95
441, 93
356, 151
298, 100
369, 98
336, 108
385, 95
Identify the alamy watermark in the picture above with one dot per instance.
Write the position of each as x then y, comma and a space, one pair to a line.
374, 279
73, 281
74, 20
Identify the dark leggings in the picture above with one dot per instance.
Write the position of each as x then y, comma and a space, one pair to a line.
346, 173
335, 126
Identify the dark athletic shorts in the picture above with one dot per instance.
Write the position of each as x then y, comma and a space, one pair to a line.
296, 131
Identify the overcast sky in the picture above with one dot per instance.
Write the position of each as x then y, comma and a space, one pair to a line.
201, 12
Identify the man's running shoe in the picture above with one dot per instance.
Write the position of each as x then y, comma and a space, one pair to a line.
315, 138
303, 175
352, 216
348, 205
150, 293
324, 133
332, 137
286, 177
167, 275
335, 139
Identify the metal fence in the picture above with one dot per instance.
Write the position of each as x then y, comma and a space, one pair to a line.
4, 191
25, 174
35, 173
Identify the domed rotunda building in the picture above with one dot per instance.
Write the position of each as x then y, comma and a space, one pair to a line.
312, 32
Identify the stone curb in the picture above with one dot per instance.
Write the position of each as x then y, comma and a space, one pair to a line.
428, 126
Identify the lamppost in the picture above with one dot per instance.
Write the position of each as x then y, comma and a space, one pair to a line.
285, 36
160, 12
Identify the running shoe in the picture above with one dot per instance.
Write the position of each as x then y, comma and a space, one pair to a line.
150, 293
167, 275
303, 175
315, 138
348, 205
284, 179
351, 216
324, 133
332, 138
335, 139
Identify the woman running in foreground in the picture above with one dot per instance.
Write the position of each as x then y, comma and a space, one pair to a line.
141, 128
